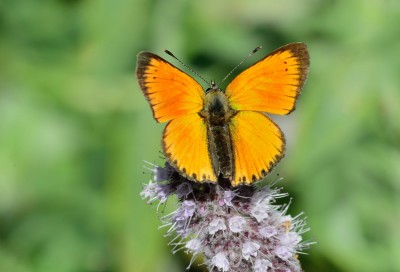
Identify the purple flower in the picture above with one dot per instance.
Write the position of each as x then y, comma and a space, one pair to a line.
188, 208
194, 245
163, 191
259, 211
236, 223
250, 249
268, 231
283, 252
183, 190
227, 198
262, 265
220, 261
162, 174
215, 225
149, 191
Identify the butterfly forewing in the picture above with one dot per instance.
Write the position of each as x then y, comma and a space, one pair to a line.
272, 84
171, 92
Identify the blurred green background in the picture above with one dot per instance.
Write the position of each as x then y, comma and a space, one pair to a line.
74, 126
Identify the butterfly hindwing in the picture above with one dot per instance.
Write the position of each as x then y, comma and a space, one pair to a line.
257, 144
185, 145
273, 83
170, 92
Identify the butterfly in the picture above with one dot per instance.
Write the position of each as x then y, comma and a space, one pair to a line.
217, 133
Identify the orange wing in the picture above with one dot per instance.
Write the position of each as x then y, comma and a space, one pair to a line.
176, 97
272, 84
170, 92
185, 145
257, 143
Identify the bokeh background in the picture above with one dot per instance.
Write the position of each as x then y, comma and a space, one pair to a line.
75, 128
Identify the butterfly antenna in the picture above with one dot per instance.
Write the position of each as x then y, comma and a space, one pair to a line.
187, 67
237, 66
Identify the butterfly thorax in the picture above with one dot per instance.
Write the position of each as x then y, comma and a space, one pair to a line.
217, 114
216, 108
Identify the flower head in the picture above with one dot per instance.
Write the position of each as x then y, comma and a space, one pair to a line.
235, 229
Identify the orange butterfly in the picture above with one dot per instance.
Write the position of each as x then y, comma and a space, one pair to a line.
214, 133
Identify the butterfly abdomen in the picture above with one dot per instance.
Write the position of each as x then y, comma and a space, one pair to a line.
220, 148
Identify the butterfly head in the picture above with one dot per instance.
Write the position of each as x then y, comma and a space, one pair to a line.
213, 87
